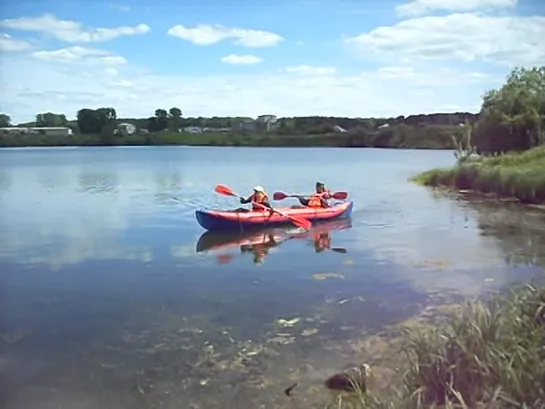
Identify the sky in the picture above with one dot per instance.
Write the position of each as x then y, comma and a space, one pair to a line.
353, 58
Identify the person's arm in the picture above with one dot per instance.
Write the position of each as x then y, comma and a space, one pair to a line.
326, 195
302, 200
266, 203
324, 202
245, 201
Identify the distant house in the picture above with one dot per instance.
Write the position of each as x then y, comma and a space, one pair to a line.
262, 123
247, 126
384, 126
192, 129
216, 130
37, 130
337, 128
125, 129
269, 121
13, 131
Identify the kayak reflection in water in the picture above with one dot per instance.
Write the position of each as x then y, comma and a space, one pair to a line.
322, 241
261, 250
259, 243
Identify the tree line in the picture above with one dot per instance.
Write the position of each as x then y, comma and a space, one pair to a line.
93, 121
510, 118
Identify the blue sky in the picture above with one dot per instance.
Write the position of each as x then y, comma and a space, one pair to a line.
298, 57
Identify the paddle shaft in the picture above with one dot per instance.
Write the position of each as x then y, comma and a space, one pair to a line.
335, 195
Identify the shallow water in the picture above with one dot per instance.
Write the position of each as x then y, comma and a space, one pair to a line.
110, 298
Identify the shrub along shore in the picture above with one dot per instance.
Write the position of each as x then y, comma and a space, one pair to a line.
514, 175
488, 355
403, 136
513, 121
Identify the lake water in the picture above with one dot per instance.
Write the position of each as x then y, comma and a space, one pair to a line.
105, 301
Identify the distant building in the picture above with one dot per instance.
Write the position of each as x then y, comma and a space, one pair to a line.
125, 129
216, 130
384, 126
337, 128
262, 123
192, 129
37, 130
269, 121
247, 126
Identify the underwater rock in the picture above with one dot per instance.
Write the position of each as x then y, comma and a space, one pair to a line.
353, 380
308, 332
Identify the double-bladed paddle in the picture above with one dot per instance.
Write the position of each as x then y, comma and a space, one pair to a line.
298, 221
336, 195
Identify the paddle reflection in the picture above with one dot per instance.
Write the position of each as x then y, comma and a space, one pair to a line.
259, 243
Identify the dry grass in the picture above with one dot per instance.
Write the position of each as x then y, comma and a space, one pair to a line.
517, 175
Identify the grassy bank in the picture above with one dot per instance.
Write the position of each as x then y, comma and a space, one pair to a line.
487, 356
512, 175
401, 136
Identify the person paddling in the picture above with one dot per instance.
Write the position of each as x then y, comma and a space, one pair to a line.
319, 199
259, 197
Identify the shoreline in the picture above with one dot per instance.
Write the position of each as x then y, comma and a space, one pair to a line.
428, 359
514, 176
430, 137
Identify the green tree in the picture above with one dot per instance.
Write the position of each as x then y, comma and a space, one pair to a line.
49, 119
159, 122
92, 121
5, 120
175, 116
513, 117
107, 135
88, 121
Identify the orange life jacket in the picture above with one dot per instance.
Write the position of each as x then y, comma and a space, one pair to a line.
259, 197
315, 200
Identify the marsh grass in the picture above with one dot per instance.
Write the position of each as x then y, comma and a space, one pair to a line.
488, 356
515, 175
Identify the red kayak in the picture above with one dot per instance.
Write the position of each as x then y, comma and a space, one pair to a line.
228, 220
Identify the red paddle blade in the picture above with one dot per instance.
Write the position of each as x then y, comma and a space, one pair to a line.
279, 196
339, 195
224, 258
224, 190
302, 223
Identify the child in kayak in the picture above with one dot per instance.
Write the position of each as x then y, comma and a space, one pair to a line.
259, 197
319, 199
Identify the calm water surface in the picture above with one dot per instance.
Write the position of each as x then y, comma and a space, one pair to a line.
110, 297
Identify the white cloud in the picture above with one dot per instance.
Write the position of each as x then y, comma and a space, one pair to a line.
419, 7
461, 36
414, 76
208, 34
8, 44
79, 54
300, 91
310, 70
241, 59
111, 71
71, 31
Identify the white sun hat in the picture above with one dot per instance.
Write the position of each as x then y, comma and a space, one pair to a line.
259, 188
